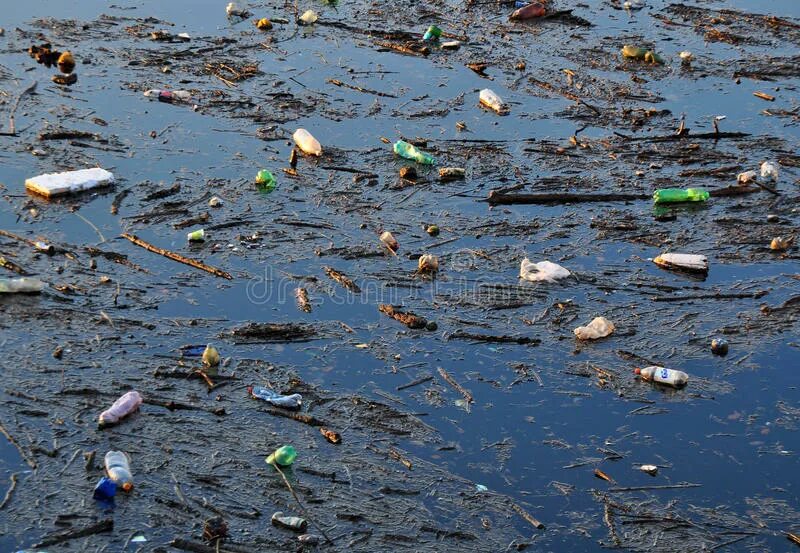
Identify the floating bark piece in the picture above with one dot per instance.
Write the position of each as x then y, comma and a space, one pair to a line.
299, 417
406, 317
413, 383
331, 435
337, 82
452, 381
272, 332
603, 476
793, 538
11, 266
394, 454
177, 257
195, 547
663, 487
178, 406
103, 526
342, 279
504, 339
12, 486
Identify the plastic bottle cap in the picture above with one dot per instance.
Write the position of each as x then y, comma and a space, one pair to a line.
637, 370
127, 486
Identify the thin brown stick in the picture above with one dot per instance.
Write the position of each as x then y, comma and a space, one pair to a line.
527, 516
15, 443
337, 82
12, 130
177, 257
645, 488
102, 526
303, 510
452, 381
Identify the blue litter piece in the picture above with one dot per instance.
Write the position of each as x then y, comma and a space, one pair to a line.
105, 490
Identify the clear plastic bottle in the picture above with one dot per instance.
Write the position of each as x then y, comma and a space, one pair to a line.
169, 96
293, 401
670, 377
123, 407
491, 100
769, 170
306, 142
21, 285
409, 151
118, 469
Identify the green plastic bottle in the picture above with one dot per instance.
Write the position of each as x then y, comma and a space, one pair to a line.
266, 181
433, 33
283, 456
671, 195
409, 151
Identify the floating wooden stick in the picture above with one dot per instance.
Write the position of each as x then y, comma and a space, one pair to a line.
177, 257
527, 516
102, 526
452, 381
342, 279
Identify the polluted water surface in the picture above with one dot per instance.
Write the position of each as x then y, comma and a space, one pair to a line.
320, 267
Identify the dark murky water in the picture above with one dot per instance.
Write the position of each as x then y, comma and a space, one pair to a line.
735, 434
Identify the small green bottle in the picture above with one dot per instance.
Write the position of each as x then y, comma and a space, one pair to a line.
672, 195
283, 456
433, 33
409, 151
266, 181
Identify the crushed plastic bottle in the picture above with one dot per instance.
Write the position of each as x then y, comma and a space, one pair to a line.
266, 181
673, 195
309, 17
283, 456
770, 171
169, 96
432, 34
121, 408
491, 100
781, 244
528, 11
541, 271
196, 235
409, 151
210, 356
428, 263
118, 469
652, 470
293, 401
21, 285
389, 241
670, 377
292, 523
309, 539
600, 327
307, 143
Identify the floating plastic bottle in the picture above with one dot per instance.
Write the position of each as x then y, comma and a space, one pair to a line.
292, 523
306, 142
683, 262
210, 356
541, 271
293, 401
529, 11
21, 285
266, 181
169, 96
672, 195
428, 263
600, 327
309, 539
118, 469
121, 408
388, 240
769, 171
670, 377
309, 17
409, 151
196, 235
491, 100
433, 33
283, 456
719, 346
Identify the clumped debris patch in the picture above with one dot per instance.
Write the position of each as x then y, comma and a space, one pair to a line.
441, 409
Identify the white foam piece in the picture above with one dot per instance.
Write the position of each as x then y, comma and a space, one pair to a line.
56, 184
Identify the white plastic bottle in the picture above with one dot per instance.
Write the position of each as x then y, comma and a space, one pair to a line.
118, 469
769, 170
123, 407
306, 142
670, 377
491, 100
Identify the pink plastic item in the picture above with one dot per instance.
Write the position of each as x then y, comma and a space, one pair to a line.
123, 407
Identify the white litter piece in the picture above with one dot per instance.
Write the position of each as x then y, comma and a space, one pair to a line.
57, 184
747, 176
769, 170
683, 261
541, 271
600, 327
